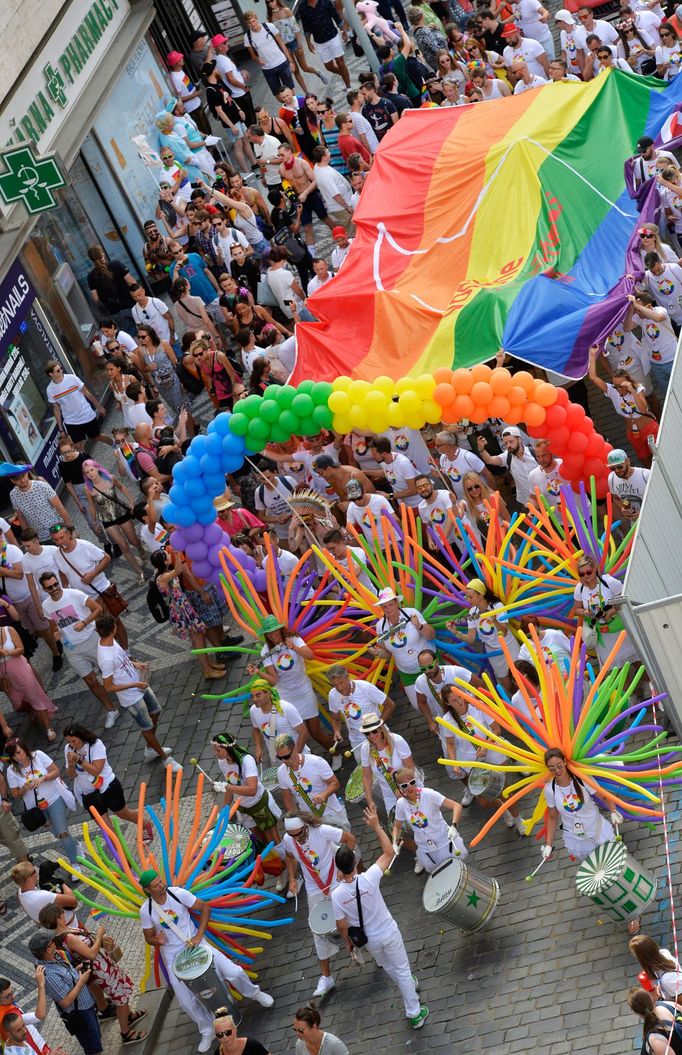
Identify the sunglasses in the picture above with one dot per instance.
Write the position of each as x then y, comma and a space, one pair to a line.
429, 666
224, 1033
57, 527
285, 758
585, 574
50, 586
474, 487
409, 784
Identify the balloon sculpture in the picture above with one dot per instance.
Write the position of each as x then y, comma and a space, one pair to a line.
582, 714
196, 862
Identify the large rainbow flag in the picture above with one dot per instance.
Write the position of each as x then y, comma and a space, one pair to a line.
503, 224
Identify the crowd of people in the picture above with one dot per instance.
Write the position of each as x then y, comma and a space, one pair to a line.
230, 260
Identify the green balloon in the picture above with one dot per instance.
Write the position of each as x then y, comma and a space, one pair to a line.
239, 424
269, 410
321, 393
278, 434
306, 387
255, 446
272, 391
258, 429
309, 427
290, 423
285, 396
302, 405
323, 416
250, 406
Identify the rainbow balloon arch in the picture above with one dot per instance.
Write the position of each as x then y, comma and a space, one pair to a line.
447, 396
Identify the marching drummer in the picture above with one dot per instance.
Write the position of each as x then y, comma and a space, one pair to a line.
421, 809
429, 685
382, 755
350, 700
460, 712
270, 716
402, 633
310, 844
168, 926
583, 828
308, 783
241, 779
488, 626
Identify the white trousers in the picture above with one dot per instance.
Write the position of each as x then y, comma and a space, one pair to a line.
411, 693
191, 1004
432, 856
391, 954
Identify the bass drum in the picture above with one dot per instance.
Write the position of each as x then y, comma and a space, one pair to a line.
194, 966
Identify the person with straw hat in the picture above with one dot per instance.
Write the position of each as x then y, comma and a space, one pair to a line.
383, 753
402, 633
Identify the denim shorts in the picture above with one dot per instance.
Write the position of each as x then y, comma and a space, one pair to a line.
230, 137
141, 711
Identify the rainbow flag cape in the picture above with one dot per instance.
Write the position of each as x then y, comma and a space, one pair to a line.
502, 224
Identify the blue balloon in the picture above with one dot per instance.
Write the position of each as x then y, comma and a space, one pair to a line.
215, 485
183, 516
213, 444
197, 447
233, 463
195, 487
206, 518
221, 424
211, 464
202, 504
192, 466
177, 495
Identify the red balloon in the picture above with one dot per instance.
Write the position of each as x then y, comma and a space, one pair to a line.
593, 467
578, 443
572, 463
585, 426
536, 432
601, 488
595, 445
571, 472
556, 416
574, 415
562, 399
558, 438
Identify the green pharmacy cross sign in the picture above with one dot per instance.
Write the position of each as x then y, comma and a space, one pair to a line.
30, 180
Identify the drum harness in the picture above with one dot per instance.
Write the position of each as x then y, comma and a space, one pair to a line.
324, 887
316, 810
165, 920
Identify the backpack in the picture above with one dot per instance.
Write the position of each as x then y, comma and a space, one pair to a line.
156, 603
260, 492
295, 248
269, 33
193, 385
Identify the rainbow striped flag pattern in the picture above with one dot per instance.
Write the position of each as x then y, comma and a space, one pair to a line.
503, 224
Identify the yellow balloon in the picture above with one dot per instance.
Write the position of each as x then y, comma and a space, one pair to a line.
342, 383
342, 424
404, 384
415, 421
385, 384
358, 390
432, 411
359, 417
424, 386
380, 422
410, 402
339, 402
375, 403
396, 415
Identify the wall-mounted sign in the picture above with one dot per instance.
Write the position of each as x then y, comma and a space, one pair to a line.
30, 180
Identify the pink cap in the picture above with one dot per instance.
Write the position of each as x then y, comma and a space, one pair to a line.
174, 57
219, 39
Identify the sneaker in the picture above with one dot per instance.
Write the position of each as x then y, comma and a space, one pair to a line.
233, 639
325, 985
508, 819
111, 719
299, 884
175, 766
282, 881
520, 825
418, 868
325, 76
467, 797
147, 831
264, 999
207, 1042
150, 754
337, 762
418, 1021
57, 663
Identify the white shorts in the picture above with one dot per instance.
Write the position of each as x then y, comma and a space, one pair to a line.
331, 49
83, 656
305, 702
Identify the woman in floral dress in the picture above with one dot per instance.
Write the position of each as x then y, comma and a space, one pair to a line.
185, 622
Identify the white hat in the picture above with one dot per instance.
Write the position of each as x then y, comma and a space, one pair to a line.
563, 15
293, 824
511, 430
387, 595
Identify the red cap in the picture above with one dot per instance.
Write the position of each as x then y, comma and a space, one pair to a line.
174, 57
509, 30
338, 232
219, 39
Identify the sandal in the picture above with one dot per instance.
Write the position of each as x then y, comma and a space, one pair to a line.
108, 1013
135, 1016
133, 1036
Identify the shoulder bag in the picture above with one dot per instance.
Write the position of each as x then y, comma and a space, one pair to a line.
111, 598
33, 818
357, 935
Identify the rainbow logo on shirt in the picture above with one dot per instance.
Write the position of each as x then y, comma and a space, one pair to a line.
419, 819
398, 639
454, 474
617, 339
97, 781
312, 857
486, 628
401, 442
352, 710
437, 515
367, 519
571, 803
554, 487
168, 914
285, 662
361, 448
665, 287
306, 784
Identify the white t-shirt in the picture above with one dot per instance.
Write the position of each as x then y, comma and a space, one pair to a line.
85, 783
273, 500
47, 793
548, 483
520, 468
33, 901
410, 442
377, 920
364, 698
623, 404
666, 289
317, 283
267, 149
231, 774
536, 81
573, 41
115, 663
225, 65
658, 338
555, 647
312, 775
330, 182
83, 559
424, 818
488, 633
604, 30
386, 763
672, 57
368, 517
183, 86
318, 850
403, 641
436, 513
175, 909
272, 723
339, 254
630, 490
450, 673
67, 395
265, 46
280, 281
530, 50
154, 541
455, 468
599, 595
399, 472
36, 564
290, 667
155, 313
466, 751
69, 609
625, 352
527, 13
16, 589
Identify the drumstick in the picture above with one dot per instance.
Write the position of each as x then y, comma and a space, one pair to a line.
351, 752
195, 762
387, 871
536, 870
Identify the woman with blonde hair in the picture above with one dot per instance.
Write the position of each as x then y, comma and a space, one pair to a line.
230, 1043
650, 242
114, 513
662, 968
381, 756
473, 506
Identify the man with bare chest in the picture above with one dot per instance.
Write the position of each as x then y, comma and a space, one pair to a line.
299, 174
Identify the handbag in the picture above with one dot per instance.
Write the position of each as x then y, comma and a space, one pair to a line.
357, 935
264, 295
33, 818
111, 598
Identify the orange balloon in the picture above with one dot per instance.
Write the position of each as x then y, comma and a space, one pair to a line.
480, 372
479, 414
463, 407
516, 395
500, 381
443, 375
526, 381
499, 407
462, 382
514, 415
449, 415
545, 394
444, 393
534, 414
481, 393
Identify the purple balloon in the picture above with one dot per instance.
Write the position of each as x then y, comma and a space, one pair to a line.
202, 569
245, 559
259, 580
214, 556
196, 551
213, 534
178, 539
194, 533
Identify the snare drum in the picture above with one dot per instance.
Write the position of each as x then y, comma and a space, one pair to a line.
235, 843
194, 966
486, 783
616, 882
464, 896
321, 919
